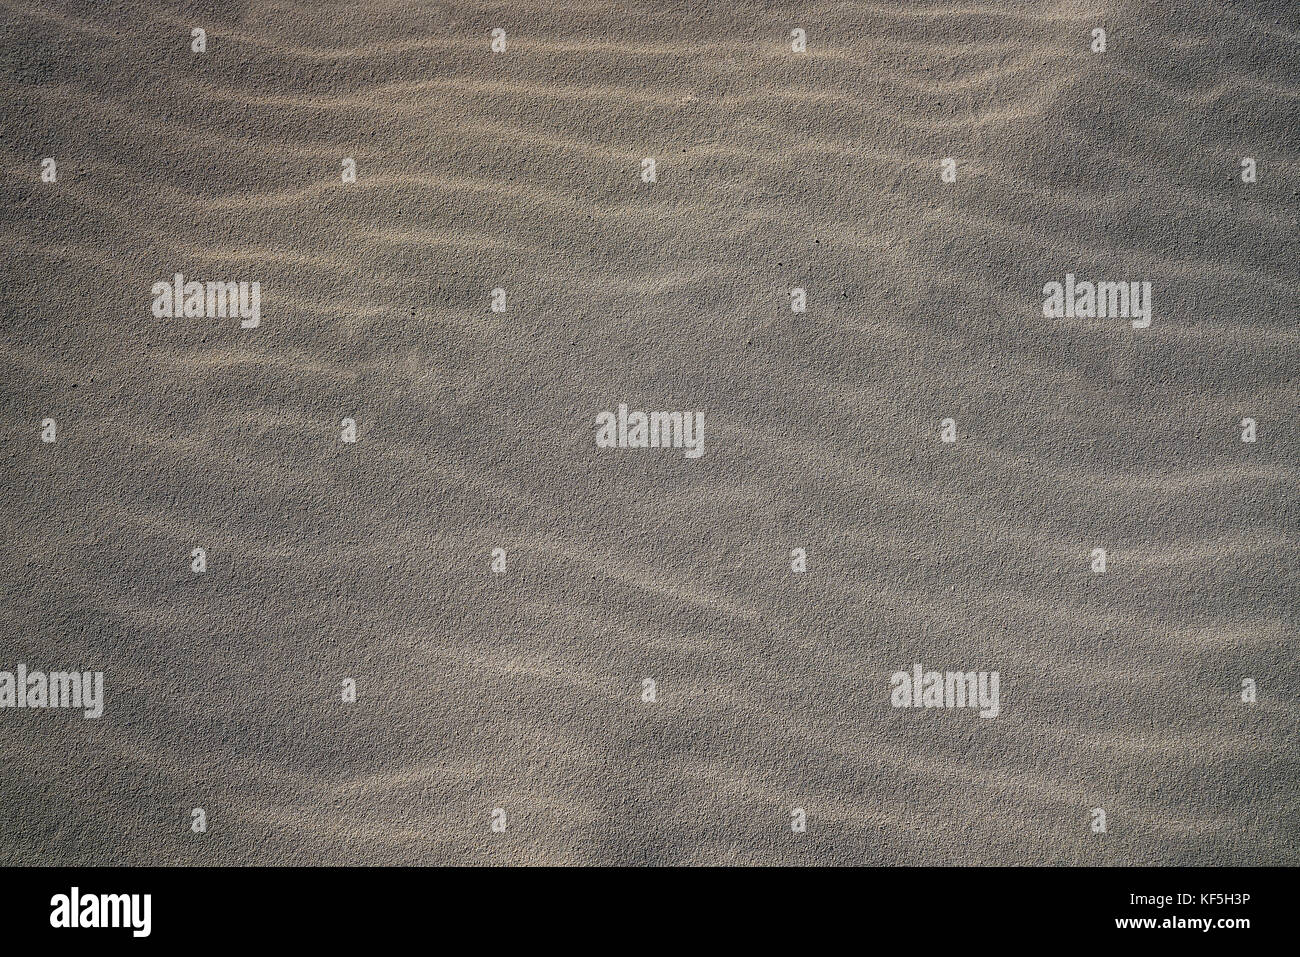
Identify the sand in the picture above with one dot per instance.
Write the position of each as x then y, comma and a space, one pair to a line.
522, 690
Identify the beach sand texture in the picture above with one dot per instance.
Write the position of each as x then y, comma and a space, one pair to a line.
522, 690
